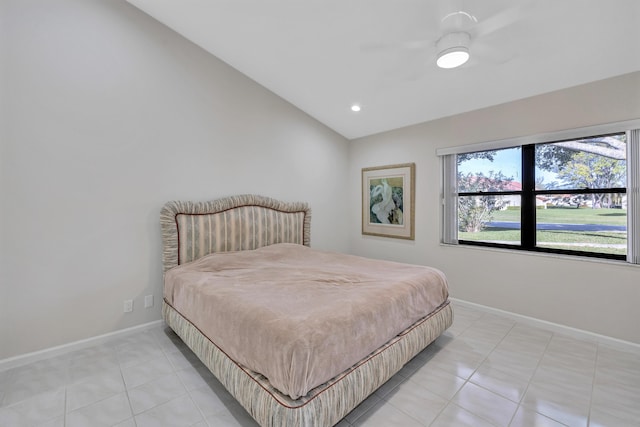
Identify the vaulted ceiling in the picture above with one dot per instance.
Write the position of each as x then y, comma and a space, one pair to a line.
323, 56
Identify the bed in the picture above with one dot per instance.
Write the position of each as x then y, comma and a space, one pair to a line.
298, 336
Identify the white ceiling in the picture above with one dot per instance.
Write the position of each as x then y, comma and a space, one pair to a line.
324, 55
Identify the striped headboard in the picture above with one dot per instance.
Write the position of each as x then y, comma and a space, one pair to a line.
191, 230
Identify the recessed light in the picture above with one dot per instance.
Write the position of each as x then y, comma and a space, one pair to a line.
355, 108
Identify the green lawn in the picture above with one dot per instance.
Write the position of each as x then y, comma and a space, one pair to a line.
600, 241
569, 216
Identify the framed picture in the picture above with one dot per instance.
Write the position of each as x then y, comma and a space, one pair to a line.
387, 201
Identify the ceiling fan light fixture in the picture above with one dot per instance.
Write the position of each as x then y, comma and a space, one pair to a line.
453, 50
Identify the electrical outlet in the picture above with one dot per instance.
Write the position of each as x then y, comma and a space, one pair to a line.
148, 301
128, 306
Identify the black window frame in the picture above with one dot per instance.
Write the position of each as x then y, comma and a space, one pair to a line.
528, 194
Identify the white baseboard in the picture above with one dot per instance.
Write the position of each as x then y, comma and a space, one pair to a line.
24, 359
554, 327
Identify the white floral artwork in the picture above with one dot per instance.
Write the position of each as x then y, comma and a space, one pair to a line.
387, 200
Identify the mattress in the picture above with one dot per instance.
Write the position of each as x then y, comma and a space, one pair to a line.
299, 316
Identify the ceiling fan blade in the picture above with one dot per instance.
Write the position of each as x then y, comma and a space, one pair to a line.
500, 20
490, 54
404, 45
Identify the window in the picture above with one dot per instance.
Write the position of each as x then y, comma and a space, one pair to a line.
571, 193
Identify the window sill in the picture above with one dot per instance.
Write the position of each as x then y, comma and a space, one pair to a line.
573, 258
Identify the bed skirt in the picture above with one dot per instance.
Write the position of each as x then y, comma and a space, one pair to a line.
328, 403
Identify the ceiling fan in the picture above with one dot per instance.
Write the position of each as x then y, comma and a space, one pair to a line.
460, 36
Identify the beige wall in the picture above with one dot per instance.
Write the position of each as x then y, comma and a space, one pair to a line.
595, 296
107, 114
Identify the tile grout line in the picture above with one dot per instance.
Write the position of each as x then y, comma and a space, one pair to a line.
467, 380
450, 401
64, 407
593, 383
173, 371
126, 391
533, 374
187, 391
524, 393
484, 360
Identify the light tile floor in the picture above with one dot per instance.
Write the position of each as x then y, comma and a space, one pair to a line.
486, 370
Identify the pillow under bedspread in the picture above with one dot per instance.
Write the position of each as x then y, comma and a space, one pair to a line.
300, 316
